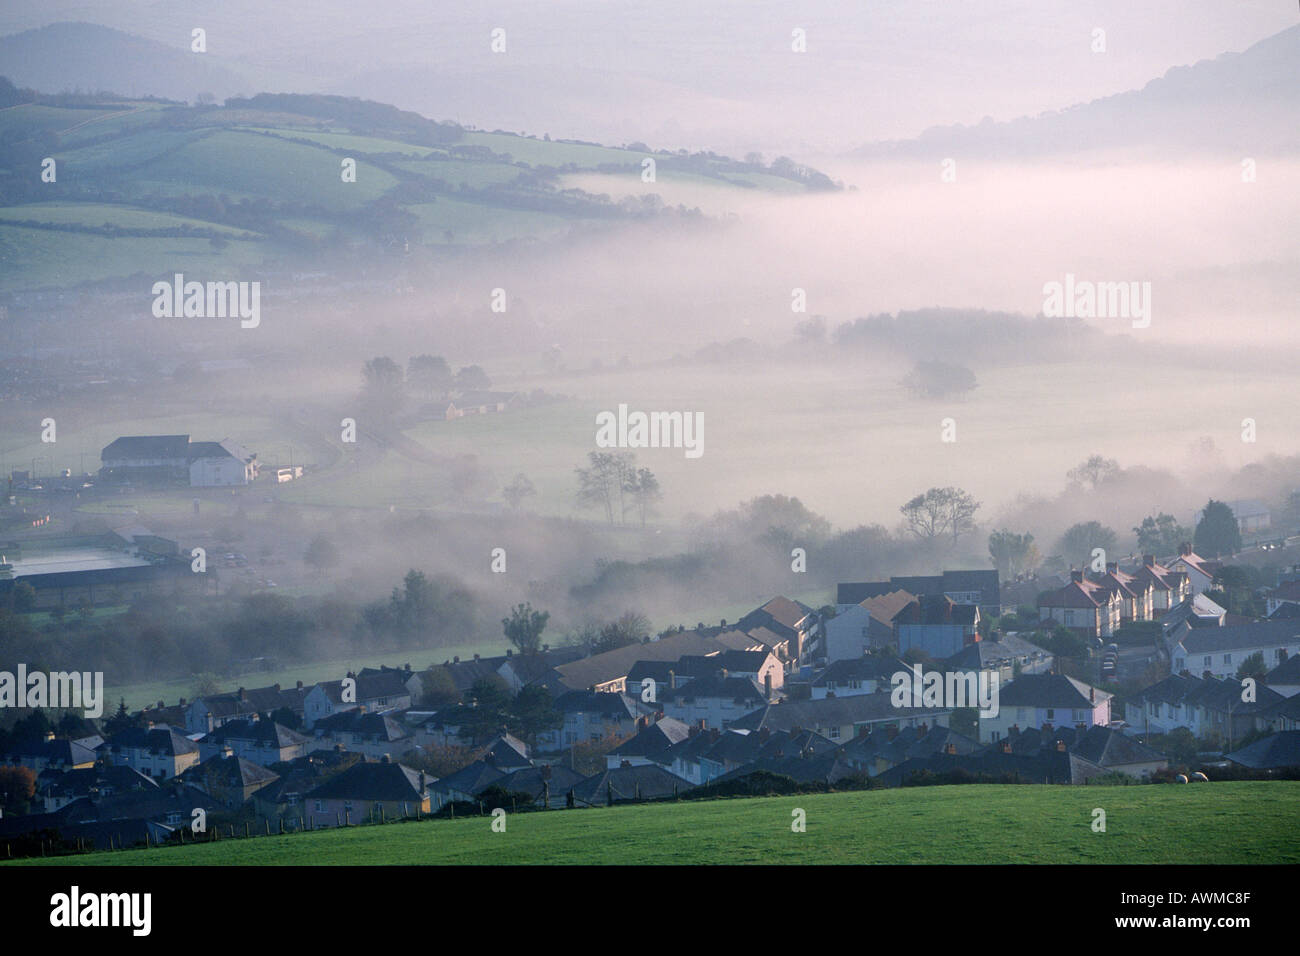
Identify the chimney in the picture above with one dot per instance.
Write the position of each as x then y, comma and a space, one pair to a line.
386, 758
1148, 560
950, 750
1076, 576
1112, 567
456, 659
1014, 731
49, 735
767, 685
299, 685
182, 701
922, 730
1092, 695
227, 751
510, 652
276, 688
240, 693
161, 705
424, 783
211, 723
692, 730
1060, 746
150, 727
714, 733
475, 657
1184, 548
624, 763
1006, 746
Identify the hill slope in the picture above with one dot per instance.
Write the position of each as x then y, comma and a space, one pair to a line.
1219, 823
267, 179
1241, 104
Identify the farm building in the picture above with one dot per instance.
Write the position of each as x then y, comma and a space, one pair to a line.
175, 459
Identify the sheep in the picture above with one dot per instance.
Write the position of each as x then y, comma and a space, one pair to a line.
1181, 778
1199, 777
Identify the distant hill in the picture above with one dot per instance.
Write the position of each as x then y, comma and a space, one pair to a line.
87, 58
1238, 104
311, 182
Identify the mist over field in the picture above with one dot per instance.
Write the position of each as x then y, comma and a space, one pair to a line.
826, 229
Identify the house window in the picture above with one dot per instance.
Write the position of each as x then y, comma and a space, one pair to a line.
1080, 716
1208, 660
1051, 714
835, 733
347, 805
1227, 658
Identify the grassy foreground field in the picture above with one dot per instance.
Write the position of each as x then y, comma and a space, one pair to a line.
1219, 824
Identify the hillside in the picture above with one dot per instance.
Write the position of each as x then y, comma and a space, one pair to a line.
1239, 104
147, 187
1218, 824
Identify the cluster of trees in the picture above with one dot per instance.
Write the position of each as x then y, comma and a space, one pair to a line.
613, 483
490, 708
168, 636
385, 387
940, 511
932, 379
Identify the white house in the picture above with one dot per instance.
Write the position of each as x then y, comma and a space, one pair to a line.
1221, 650
220, 464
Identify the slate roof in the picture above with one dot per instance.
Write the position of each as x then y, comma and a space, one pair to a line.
261, 733
1271, 752
372, 782
865, 668
506, 752
1110, 748
1288, 672
1050, 690
832, 711
250, 700
160, 740
147, 446
57, 751
92, 781
1259, 634
473, 778
741, 690
615, 705
228, 771
1047, 766
828, 767
533, 780
369, 687
1005, 650
984, 581
654, 739
376, 728
649, 780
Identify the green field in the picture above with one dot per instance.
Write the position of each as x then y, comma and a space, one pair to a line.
149, 693
117, 158
1219, 823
